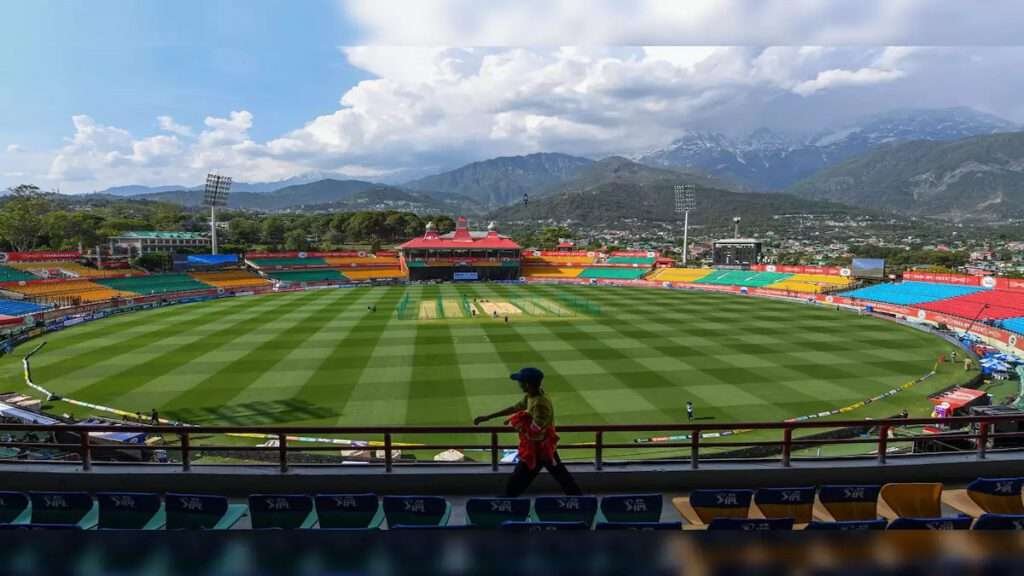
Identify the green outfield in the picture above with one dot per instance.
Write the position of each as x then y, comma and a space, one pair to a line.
618, 355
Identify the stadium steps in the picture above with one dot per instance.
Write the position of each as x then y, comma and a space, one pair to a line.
745, 278
614, 273
990, 304
911, 293
155, 284
286, 262
811, 283
319, 275
679, 274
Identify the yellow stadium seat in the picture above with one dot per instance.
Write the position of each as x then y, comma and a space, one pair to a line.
911, 500
69, 268
372, 273
679, 274
811, 283
550, 272
569, 260
231, 279
84, 290
362, 261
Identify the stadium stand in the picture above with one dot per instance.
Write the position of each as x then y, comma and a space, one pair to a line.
743, 278
19, 308
910, 500
638, 260
1014, 324
286, 262
908, 293
983, 304
847, 503
319, 275
987, 496
8, 274
812, 283
551, 272
65, 268
130, 511
283, 511
613, 273
202, 512
155, 284
570, 260
352, 511
373, 273
795, 503
679, 274
231, 279
362, 261
60, 292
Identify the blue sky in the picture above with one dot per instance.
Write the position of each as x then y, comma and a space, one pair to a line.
101, 93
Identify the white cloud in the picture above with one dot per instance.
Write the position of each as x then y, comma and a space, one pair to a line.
837, 78
168, 124
14, 148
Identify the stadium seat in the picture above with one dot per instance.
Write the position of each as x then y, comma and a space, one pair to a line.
14, 508
550, 272
638, 526
131, 511
200, 511
492, 512
416, 510
811, 283
284, 511
999, 522
987, 495
639, 260
910, 293
47, 527
679, 274
154, 284
64, 508
9, 274
631, 508
795, 503
983, 304
614, 273
348, 510
746, 278
19, 307
751, 524
848, 525
847, 503
83, 290
543, 526
286, 262
231, 279
1014, 325
315, 275
373, 273
565, 509
703, 506
910, 500
937, 523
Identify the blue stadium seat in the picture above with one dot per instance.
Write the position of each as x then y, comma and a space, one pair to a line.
64, 508
543, 526
703, 506
631, 508
565, 509
19, 307
848, 525
941, 523
348, 510
796, 503
1014, 324
14, 508
492, 512
416, 510
909, 293
131, 511
751, 524
639, 526
284, 511
201, 512
999, 522
847, 503
997, 495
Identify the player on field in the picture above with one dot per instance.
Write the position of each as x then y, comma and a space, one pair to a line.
534, 418
689, 411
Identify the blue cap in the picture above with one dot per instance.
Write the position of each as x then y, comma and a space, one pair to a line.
529, 375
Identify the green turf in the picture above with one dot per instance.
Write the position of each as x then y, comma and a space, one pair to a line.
323, 358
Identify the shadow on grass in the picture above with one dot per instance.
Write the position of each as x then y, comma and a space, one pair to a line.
253, 413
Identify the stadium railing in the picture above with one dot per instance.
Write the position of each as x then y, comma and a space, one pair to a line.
977, 431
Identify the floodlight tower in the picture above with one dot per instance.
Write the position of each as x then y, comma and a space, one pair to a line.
215, 194
685, 201
736, 226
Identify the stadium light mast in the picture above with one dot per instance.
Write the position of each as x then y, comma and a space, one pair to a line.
736, 226
685, 201
215, 194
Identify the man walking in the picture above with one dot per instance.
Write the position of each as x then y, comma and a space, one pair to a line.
534, 418
689, 411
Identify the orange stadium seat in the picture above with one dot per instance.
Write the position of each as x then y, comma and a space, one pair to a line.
231, 279
359, 261
66, 268
372, 273
811, 283
911, 500
679, 274
550, 272
85, 290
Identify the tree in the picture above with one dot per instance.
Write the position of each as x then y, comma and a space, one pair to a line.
444, 224
154, 262
244, 231
273, 231
296, 240
167, 216
549, 237
22, 217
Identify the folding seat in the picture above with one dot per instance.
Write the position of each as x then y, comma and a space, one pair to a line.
566, 509
751, 524
64, 508
910, 500
937, 523
201, 511
703, 506
492, 512
795, 503
416, 510
348, 511
284, 511
543, 526
14, 508
987, 495
999, 522
639, 526
131, 511
847, 503
631, 508
847, 525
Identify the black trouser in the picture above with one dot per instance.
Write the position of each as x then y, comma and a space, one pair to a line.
523, 476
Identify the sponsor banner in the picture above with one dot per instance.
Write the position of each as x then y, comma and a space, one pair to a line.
334, 254
38, 256
960, 279
1015, 284
791, 269
634, 254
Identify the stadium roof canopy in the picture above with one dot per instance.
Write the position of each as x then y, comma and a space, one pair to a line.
461, 238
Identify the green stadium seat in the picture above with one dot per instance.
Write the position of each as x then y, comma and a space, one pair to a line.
76, 508
287, 262
8, 274
318, 275
201, 512
416, 510
131, 511
614, 273
14, 508
493, 512
155, 284
745, 278
348, 510
284, 511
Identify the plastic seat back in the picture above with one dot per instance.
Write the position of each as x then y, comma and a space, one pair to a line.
712, 504
848, 503
346, 510
938, 523
12, 505
194, 511
60, 507
632, 508
415, 510
914, 499
997, 495
543, 526
848, 525
751, 524
493, 512
127, 510
639, 526
285, 511
999, 522
795, 503
566, 509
